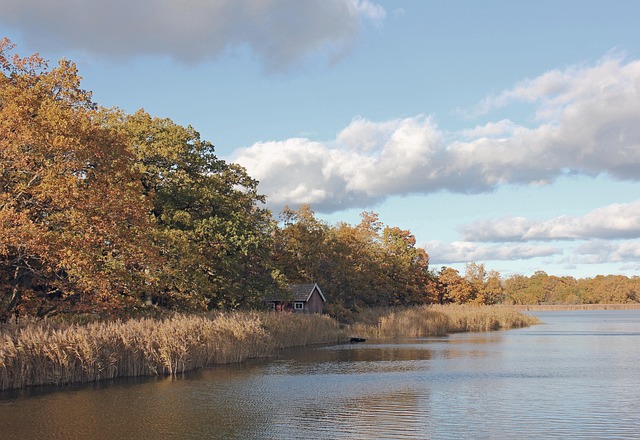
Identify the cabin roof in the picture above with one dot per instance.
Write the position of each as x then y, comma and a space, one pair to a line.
302, 292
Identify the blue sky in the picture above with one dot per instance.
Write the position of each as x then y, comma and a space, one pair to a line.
499, 132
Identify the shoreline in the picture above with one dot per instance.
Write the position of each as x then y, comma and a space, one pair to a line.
42, 353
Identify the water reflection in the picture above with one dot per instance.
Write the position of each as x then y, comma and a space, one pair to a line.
353, 359
576, 376
387, 415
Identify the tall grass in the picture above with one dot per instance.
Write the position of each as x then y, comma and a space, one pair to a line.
298, 330
438, 320
41, 353
474, 318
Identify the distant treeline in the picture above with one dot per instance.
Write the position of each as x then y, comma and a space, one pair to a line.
541, 288
106, 213
478, 286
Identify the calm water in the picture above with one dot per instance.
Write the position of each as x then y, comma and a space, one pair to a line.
576, 376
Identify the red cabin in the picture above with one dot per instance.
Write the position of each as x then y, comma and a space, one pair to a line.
307, 298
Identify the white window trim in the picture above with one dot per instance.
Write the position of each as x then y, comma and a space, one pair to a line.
298, 305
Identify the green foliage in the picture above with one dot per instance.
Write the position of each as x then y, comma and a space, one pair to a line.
301, 248
215, 238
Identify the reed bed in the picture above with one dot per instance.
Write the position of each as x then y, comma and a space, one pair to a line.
439, 320
46, 353
298, 330
474, 318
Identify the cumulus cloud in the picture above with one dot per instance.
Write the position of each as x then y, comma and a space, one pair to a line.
279, 32
604, 235
491, 129
465, 252
588, 122
367, 162
301, 171
617, 221
625, 254
600, 251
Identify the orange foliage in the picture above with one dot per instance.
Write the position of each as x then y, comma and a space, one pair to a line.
71, 215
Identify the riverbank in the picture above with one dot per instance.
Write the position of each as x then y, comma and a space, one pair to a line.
36, 353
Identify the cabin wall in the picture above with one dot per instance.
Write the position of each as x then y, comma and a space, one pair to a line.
314, 305
281, 306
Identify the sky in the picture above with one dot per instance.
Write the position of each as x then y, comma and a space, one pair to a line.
499, 132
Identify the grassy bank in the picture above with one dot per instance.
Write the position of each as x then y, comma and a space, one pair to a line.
437, 320
47, 353
43, 353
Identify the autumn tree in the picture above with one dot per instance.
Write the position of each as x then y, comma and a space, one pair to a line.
72, 213
363, 265
453, 287
356, 275
486, 286
609, 289
560, 290
541, 288
513, 286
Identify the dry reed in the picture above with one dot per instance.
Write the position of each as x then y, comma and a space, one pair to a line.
437, 320
43, 353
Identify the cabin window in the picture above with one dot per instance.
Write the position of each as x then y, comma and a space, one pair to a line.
299, 306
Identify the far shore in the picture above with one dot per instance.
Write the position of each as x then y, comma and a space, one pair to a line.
565, 307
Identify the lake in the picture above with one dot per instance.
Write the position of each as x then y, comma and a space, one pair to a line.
575, 376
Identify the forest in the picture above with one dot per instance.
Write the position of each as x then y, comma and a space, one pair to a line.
113, 214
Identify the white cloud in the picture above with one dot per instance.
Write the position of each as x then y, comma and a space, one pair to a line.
492, 129
367, 162
607, 235
588, 123
279, 32
625, 254
600, 251
369, 9
302, 171
465, 252
617, 221
363, 135
557, 90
